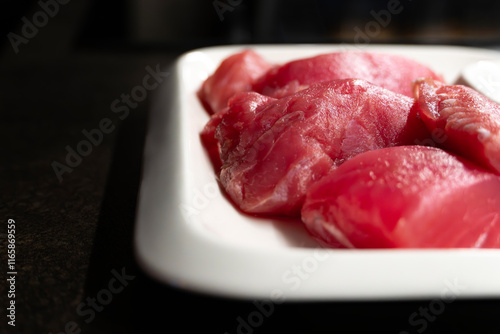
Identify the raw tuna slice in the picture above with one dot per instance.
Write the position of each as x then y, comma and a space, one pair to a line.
272, 150
392, 72
207, 135
470, 121
234, 75
406, 197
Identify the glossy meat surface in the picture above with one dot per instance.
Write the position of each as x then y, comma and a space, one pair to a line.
469, 120
406, 197
272, 150
392, 72
235, 74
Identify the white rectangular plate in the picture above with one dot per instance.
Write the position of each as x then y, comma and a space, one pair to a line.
189, 235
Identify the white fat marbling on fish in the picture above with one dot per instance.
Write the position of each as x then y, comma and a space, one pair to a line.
483, 134
333, 230
449, 103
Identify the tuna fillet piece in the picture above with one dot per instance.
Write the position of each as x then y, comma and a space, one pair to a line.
392, 72
470, 121
235, 74
272, 150
406, 197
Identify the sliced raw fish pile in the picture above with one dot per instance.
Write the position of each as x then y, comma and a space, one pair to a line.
235, 74
335, 139
406, 197
272, 150
470, 121
392, 72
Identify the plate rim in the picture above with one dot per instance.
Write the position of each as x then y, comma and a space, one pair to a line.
185, 275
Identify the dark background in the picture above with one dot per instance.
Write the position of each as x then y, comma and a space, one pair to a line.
71, 235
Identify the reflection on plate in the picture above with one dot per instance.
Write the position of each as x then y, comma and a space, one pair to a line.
189, 235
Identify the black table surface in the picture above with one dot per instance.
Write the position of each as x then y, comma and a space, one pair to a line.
74, 234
